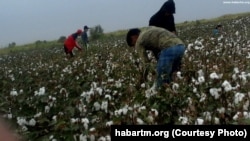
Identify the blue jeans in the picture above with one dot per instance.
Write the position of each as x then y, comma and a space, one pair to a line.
169, 62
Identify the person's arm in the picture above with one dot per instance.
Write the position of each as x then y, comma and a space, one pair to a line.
78, 46
145, 62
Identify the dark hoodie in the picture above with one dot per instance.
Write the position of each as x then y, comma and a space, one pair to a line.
160, 19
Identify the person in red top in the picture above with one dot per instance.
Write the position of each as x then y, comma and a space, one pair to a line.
71, 42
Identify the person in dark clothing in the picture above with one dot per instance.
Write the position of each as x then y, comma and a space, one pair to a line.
217, 30
164, 17
71, 42
84, 37
167, 48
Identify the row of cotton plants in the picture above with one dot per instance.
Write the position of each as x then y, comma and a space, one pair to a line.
48, 97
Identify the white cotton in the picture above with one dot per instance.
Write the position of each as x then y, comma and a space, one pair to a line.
215, 92
24, 128
151, 91
42, 91
155, 112
108, 138
9, 116
107, 96
104, 106
141, 108
97, 106
234, 76
200, 73
243, 77
83, 138
238, 97
214, 76
99, 90
13, 92
118, 84
54, 118
236, 116
194, 90
139, 121
216, 120
199, 121
101, 138
246, 105
179, 75
227, 86
221, 110
201, 79
203, 97
183, 120
236, 70
32, 122
143, 85
38, 115
47, 109
73, 120
246, 115
237, 33
124, 110
175, 87
51, 137
150, 119
207, 116
92, 137
109, 123
21, 121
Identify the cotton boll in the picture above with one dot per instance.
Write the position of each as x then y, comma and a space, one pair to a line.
199, 121
109, 123
221, 110
214, 76
246, 105
13, 92
32, 122
139, 121
201, 79
83, 138
238, 97
175, 87
214, 92
104, 106
216, 120
246, 115
227, 86
183, 120
207, 116
236, 116
97, 106
108, 138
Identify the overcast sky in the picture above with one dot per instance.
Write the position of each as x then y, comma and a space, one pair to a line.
26, 21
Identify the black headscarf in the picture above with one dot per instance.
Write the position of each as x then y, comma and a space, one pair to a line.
160, 19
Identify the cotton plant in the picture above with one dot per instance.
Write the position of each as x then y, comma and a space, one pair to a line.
183, 120
40, 92
13, 92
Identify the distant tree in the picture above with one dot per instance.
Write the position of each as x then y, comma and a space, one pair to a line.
197, 22
61, 39
13, 44
96, 32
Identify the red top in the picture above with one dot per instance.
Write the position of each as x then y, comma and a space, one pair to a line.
70, 42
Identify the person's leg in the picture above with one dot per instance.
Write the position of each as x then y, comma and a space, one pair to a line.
169, 62
71, 54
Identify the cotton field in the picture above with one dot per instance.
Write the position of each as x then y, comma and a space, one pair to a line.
46, 96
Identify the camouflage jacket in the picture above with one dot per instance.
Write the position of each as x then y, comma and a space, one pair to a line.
155, 39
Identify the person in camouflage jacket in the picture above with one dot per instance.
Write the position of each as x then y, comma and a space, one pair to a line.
167, 48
